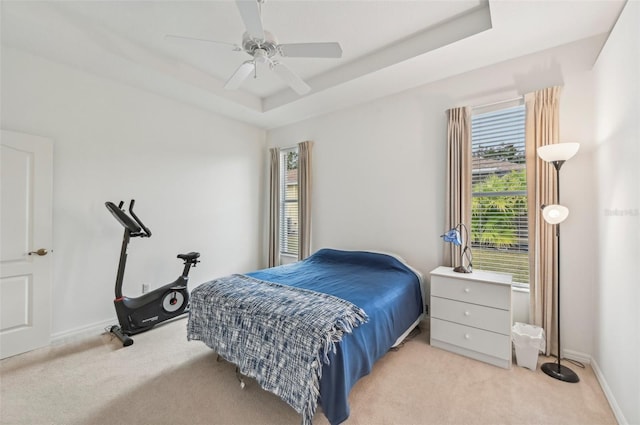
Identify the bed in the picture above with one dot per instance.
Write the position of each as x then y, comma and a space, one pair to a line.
373, 300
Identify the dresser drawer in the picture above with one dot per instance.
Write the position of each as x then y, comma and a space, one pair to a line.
470, 291
477, 316
469, 338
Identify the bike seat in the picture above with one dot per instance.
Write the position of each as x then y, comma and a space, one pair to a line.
189, 256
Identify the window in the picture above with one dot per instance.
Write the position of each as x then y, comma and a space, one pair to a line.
499, 225
289, 202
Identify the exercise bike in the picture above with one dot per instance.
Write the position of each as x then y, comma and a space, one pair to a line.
142, 313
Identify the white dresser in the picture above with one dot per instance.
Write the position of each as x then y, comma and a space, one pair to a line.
471, 314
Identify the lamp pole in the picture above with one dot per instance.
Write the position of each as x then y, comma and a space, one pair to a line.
556, 370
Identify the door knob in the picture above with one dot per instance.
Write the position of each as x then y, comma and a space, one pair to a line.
39, 252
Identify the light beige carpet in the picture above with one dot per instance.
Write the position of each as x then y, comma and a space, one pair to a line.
164, 379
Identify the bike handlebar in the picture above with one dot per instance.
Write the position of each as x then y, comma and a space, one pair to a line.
135, 228
135, 217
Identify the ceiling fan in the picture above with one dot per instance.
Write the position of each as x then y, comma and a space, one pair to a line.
263, 48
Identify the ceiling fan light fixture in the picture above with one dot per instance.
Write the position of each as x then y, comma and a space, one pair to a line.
261, 56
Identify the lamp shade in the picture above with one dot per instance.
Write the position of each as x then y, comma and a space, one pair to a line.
558, 151
554, 214
452, 236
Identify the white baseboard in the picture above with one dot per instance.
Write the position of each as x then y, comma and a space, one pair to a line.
576, 355
82, 332
587, 359
617, 412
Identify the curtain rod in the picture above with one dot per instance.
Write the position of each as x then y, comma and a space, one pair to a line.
486, 105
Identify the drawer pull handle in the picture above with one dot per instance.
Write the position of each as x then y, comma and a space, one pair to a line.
467, 336
467, 290
466, 313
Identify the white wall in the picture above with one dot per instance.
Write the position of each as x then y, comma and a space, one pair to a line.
379, 170
196, 178
617, 204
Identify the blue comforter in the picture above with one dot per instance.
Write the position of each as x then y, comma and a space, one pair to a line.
386, 289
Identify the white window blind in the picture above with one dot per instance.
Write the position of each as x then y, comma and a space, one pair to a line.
499, 226
289, 240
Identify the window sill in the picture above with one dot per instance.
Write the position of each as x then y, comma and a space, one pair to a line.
288, 259
518, 287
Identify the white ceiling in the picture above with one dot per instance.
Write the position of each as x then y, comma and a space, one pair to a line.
388, 46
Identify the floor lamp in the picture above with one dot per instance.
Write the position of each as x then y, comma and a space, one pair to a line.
555, 214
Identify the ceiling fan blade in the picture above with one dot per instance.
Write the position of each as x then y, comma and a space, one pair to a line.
182, 37
311, 50
250, 13
240, 75
294, 81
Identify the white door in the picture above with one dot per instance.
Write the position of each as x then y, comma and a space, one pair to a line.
26, 227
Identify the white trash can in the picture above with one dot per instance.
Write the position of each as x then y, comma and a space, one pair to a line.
529, 340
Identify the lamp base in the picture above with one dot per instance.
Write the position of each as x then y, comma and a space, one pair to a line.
462, 269
560, 372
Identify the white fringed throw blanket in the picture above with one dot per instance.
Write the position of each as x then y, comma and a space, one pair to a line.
277, 334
